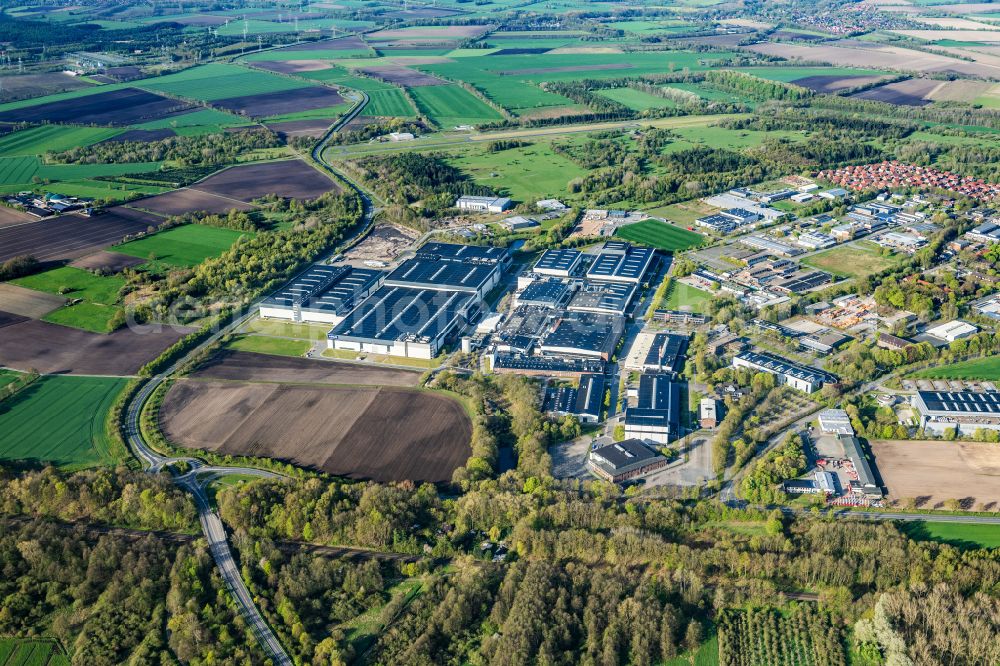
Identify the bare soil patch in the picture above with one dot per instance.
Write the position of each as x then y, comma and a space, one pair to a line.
285, 101
366, 433
9, 217
27, 86
293, 66
27, 302
248, 366
912, 92
72, 236
288, 178
829, 84
567, 68
187, 200
847, 54
114, 262
123, 73
54, 349
801, 36
403, 76
116, 107
960, 91
340, 44
384, 243
933, 471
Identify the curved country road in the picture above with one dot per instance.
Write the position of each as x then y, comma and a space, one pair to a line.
196, 480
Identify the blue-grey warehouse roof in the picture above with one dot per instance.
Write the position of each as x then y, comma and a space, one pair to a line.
326, 288
395, 313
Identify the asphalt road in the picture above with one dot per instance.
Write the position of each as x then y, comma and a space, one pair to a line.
195, 480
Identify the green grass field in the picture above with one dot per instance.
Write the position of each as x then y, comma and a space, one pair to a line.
685, 297
55, 138
30, 652
85, 171
18, 170
75, 283
448, 106
8, 377
187, 245
287, 329
852, 261
60, 419
92, 317
526, 174
660, 235
636, 100
219, 81
263, 344
987, 369
963, 535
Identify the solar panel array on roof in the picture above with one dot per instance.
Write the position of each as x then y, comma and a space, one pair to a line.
458, 276
590, 396
546, 293
962, 402
561, 400
667, 352
781, 366
584, 332
604, 297
558, 262
621, 262
398, 313
459, 252
547, 364
326, 288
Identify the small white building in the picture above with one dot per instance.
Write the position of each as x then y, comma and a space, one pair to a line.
552, 205
519, 222
835, 193
479, 204
802, 197
952, 330
835, 422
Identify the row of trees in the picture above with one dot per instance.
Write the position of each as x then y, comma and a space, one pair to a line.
222, 148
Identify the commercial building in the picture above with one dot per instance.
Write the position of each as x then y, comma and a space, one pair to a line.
559, 263
952, 330
621, 262
470, 254
963, 411
708, 413
542, 366
401, 321
546, 293
889, 341
321, 294
866, 484
629, 459
774, 246
797, 376
519, 223
666, 354
483, 204
835, 422
823, 342
611, 298
584, 334
656, 414
815, 240
584, 402
419, 273
680, 317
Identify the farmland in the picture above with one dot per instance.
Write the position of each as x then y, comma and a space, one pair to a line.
962, 535
219, 81
929, 473
244, 366
18, 170
987, 369
75, 283
355, 432
28, 652
660, 235
60, 420
71, 236
451, 105
49, 348
187, 245
55, 138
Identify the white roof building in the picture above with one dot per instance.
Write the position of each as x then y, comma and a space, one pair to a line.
835, 422
953, 330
